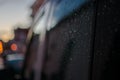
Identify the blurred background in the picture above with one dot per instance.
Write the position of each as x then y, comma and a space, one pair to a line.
15, 21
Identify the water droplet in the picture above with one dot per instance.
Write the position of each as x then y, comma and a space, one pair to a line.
98, 14
116, 30
105, 6
74, 31
71, 59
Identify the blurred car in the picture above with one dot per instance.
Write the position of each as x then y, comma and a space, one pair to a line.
15, 61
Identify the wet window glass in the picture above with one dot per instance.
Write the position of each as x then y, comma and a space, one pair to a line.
59, 39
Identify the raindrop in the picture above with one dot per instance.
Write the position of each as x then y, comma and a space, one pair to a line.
111, 1
74, 31
101, 54
98, 14
71, 59
105, 6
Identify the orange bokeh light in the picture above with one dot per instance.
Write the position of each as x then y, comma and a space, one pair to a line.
1, 47
14, 47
